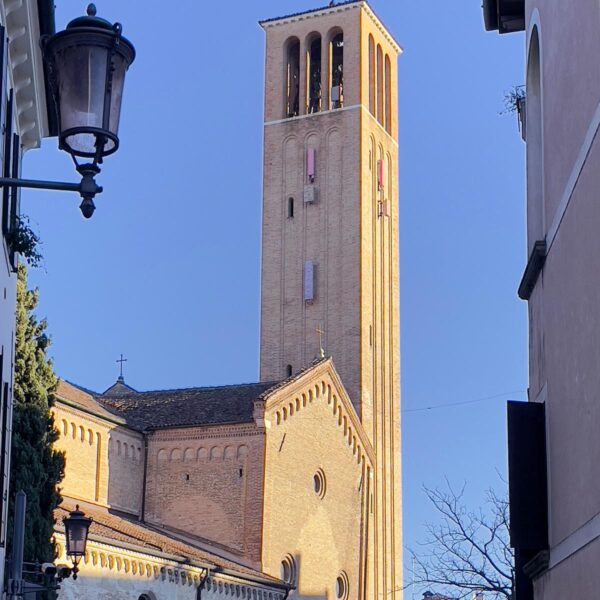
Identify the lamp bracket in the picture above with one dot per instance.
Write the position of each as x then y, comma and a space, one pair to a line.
87, 187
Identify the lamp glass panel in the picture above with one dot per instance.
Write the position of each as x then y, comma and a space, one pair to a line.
118, 81
81, 84
76, 538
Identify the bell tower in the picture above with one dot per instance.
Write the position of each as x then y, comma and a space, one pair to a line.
330, 264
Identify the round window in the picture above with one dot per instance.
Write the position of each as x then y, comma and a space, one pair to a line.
288, 569
342, 586
320, 483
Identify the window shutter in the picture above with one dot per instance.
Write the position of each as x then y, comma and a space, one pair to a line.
310, 164
7, 162
4, 460
15, 194
380, 174
309, 281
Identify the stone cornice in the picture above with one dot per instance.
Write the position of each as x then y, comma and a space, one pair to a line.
381, 27
309, 15
209, 432
26, 69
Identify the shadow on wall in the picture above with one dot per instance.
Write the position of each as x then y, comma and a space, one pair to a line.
291, 568
125, 471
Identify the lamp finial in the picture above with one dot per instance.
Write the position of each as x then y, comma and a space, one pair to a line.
91, 10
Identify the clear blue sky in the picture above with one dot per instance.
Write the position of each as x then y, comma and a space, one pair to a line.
167, 270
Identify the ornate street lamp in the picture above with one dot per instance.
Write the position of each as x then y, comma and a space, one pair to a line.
77, 526
86, 64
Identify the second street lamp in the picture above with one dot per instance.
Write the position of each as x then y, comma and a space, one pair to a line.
86, 65
77, 526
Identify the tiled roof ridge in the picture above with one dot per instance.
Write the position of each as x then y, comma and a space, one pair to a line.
148, 536
312, 10
79, 387
193, 389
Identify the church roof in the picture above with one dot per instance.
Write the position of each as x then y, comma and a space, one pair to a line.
119, 529
188, 407
185, 407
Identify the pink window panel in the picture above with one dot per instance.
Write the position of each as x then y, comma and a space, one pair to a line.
310, 164
380, 174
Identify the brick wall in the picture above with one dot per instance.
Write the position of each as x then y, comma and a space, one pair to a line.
208, 482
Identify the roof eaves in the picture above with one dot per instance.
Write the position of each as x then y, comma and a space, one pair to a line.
312, 10
293, 378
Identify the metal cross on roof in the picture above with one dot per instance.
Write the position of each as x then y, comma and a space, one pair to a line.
321, 349
121, 361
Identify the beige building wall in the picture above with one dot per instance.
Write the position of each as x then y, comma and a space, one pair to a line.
314, 438
104, 459
208, 482
109, 572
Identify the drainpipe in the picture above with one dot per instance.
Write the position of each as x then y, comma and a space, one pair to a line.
143, 508
202, 584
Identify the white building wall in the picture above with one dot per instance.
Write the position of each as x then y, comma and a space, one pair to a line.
120, 573
24, 74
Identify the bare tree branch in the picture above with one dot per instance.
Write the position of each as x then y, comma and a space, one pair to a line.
466, 551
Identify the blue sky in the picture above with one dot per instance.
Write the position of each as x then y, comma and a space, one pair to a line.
167, 270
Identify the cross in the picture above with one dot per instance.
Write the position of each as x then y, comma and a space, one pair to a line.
121, 361
321, 333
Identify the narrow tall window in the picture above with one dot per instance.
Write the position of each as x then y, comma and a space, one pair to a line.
314, 76
288, 371
290, 208
372, 100
379, 84
309, 281
292, 83
337, 71
310, 164
388, 94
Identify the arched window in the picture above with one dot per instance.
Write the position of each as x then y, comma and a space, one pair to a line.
288, 371
292, 81
533, 124
313, 85
337, 71
379, 84
388, 94
372, 97
290, 208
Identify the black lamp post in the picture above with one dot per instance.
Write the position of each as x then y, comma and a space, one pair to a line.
77, 526
86, 63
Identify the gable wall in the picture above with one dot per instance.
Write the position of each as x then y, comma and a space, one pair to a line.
309, 428
207, 482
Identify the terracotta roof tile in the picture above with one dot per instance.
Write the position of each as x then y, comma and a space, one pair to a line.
114, 527
186, 407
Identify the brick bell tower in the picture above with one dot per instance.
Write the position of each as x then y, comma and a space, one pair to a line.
330, 230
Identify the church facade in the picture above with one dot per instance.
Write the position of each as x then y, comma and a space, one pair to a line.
289, 486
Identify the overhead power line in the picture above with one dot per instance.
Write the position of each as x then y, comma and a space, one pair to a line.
462, 403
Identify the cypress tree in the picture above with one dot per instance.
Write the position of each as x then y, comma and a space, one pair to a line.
36, 467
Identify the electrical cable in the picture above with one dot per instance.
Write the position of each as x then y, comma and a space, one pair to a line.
451, 404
